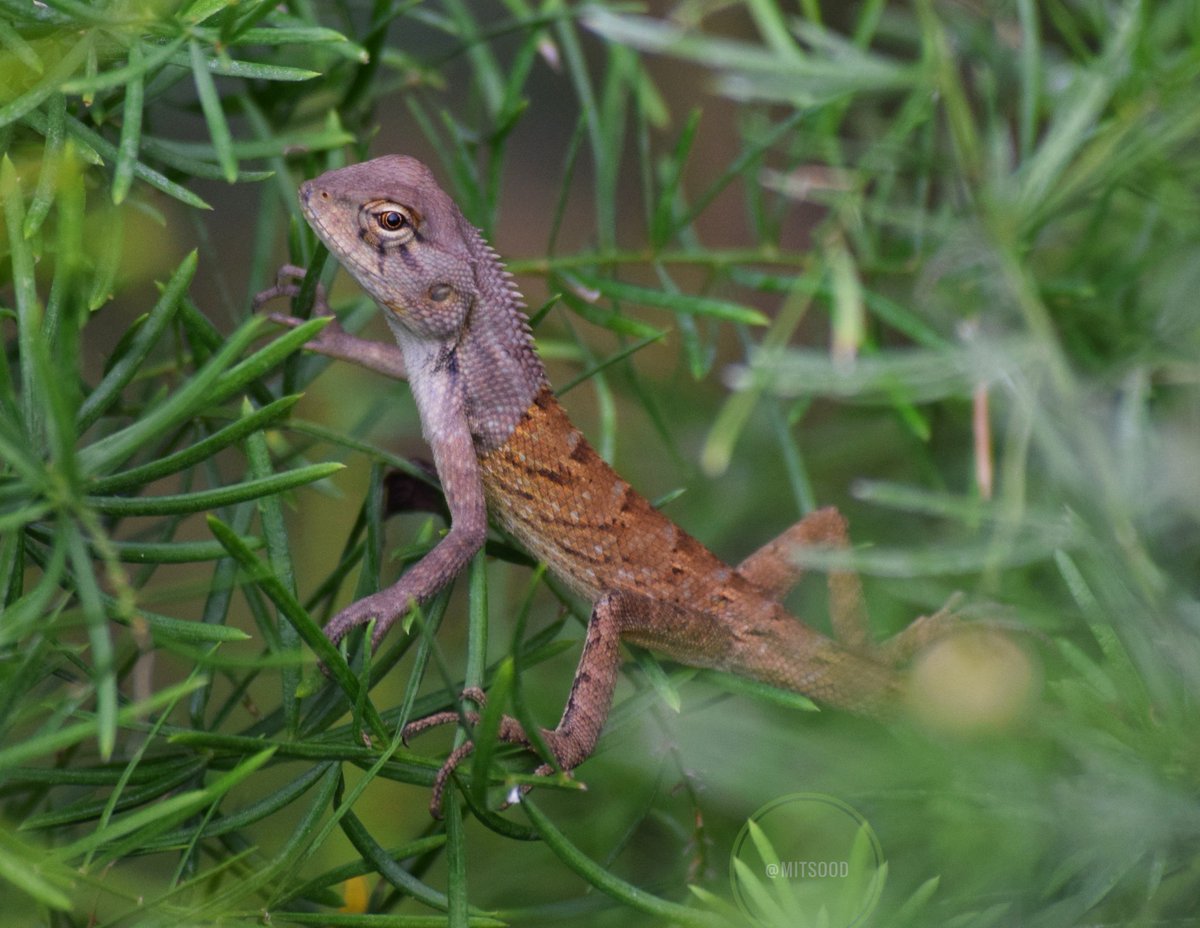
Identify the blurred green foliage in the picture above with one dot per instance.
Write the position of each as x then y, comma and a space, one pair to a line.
948, 248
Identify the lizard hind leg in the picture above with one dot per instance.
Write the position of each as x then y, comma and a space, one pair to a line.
773, 569
510, 731
572, 740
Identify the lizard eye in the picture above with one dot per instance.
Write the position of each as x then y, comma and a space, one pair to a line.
392, 223
439, 293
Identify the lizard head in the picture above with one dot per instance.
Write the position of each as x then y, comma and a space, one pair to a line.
389, 223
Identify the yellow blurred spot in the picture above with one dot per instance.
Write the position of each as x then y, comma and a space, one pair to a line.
356, 893
974, 680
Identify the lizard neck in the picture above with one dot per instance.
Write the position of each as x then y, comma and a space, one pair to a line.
490, 362
502, 373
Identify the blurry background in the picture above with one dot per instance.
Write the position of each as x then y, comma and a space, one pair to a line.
930, 262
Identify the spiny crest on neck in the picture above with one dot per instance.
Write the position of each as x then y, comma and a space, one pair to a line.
504, 300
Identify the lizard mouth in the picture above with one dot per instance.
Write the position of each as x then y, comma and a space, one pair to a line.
314, 216
318, 221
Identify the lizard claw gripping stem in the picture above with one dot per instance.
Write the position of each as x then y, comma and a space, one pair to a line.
333, 340
510, 732
385, 607
287, 286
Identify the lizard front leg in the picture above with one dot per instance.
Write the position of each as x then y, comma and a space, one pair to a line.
457, 466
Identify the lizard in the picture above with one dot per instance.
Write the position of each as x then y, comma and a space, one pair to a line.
503, 446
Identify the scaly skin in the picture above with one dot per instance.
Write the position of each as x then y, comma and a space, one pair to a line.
503, 446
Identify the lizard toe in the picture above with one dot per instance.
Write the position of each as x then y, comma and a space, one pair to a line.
457, 756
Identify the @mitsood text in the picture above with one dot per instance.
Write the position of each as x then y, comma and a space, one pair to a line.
808, 869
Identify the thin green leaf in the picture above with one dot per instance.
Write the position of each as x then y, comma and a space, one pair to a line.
487, 74
290, 608
103, 667
1074, 124
675, 302
70, 257
203, 500
456, 862
750, 71
52, 83
29, 312
163, 151
297, 35
121, 373
162, 815
916, 375
335, 920
24, 52
660, 224
248, 70
94, 143
132, 70
615, 358
47, 186
183, 404
488, 728
107, 256
265, 359
213, 384
848, 312
45, 745
387, 867
174, 552
193, 454
17, 453
165, 628
19, 518
131, 128
198, 11
270, 514
214, 112
28, 871
277, 145
609, 884
33, 608
92, 807
607, 319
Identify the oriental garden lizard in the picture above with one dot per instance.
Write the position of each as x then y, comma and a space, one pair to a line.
503, 446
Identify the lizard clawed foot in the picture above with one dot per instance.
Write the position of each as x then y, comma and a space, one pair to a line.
510, 732
333, 340
921, 632
287, 285
417, 726
381, 606
951, 619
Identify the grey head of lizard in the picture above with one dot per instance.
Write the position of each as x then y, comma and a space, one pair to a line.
449, 302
